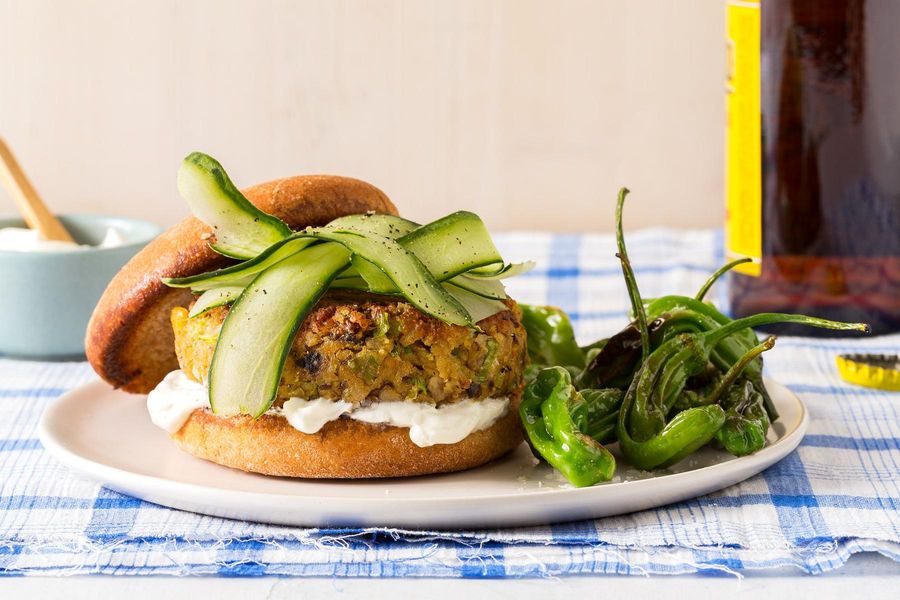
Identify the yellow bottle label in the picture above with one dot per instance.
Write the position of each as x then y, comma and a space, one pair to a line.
743, 165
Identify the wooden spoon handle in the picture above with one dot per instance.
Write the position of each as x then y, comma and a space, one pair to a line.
33, 209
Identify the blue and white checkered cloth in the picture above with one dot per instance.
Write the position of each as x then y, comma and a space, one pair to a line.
838, 494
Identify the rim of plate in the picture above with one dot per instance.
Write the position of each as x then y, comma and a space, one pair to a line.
88, 467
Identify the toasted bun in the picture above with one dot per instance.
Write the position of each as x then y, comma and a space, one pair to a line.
129, 339
342, 449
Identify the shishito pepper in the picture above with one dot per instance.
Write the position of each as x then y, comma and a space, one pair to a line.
690, 429
645, 403
642, 426
686, 432
616, 363
705, 318
647, 439
551, 339
547, 408
598, 412
746, 420
683, 314
669, 367
613, 366
729, 350
719, 384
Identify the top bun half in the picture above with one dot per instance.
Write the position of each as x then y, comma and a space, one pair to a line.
130, 342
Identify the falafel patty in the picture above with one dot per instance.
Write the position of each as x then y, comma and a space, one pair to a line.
359, 347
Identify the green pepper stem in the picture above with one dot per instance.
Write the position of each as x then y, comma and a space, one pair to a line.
634, 294
715, 276
738, 367
757, 320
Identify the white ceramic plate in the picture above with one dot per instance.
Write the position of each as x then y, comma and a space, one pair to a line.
106, 435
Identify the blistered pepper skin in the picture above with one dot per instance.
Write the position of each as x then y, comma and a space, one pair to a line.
546, 413
746, 420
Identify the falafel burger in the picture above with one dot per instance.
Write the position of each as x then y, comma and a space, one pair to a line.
302, 328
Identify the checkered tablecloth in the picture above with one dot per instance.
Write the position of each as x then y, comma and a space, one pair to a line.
838, 494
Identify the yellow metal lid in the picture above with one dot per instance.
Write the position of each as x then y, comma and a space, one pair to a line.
880, 371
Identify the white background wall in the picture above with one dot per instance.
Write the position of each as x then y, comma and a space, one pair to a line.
530, 113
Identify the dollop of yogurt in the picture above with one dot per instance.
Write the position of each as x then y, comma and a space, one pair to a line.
172, 401
309, 416
177, 396
430, 425
18, 239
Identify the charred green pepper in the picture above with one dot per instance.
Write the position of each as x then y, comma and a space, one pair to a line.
690, 429
546, 410
687, 354
598, 412
717, 384
746, 420
642, 426
645, 436
551, 339
682, 314
615, 363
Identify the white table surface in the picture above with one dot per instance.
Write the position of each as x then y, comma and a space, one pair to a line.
869, 575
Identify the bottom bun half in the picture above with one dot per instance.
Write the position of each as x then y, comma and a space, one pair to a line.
342, 449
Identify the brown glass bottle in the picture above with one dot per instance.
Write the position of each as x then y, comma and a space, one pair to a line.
830, 152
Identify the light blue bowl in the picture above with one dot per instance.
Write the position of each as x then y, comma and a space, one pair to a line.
46, 298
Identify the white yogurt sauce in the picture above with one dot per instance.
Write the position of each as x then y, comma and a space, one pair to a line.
429, 425
309, 416
18, 239
177, 396
174, 399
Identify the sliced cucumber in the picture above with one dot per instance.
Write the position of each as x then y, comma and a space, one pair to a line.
404, 268
486, 288
215, 297
242, 273
447, 247
452, 245
455, 244
357, 283
478, 306
259, 330
376, 280
504, 272
349, 273
383, 225
367, 277
493, 291
242, 230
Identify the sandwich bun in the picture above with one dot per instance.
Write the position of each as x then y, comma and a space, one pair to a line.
342, 449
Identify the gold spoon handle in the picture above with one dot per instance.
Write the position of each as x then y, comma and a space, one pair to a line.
33, 209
